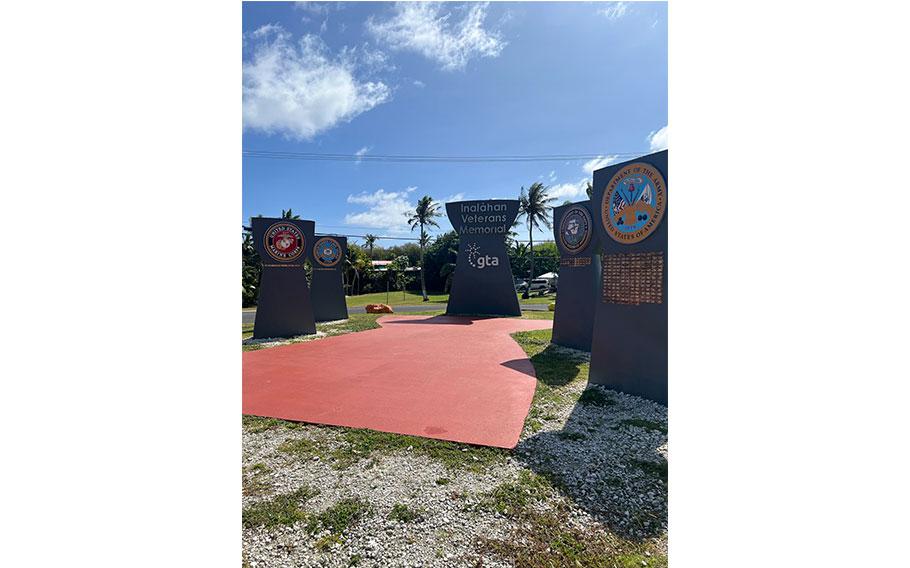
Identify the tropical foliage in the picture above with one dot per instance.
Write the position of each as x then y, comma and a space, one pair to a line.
424, 216
534, 206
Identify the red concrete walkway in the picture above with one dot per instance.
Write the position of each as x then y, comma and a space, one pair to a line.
451, 378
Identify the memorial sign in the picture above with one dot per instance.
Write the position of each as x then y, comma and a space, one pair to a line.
284, 308
629, 347
327, 287
483, 283
579, 275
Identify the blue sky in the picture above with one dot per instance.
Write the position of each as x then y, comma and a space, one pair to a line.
442, 79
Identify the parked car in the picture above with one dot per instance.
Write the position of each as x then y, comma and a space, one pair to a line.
538, 285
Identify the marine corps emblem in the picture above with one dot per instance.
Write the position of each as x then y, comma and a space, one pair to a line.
284, 242
327, 252
575, 230
634, 203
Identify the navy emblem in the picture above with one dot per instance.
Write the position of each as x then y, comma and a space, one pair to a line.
634, 203
284, 242
327, 251
575, 230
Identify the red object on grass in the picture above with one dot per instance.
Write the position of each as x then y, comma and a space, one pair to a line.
450, 378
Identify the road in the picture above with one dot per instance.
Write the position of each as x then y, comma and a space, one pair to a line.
250, 316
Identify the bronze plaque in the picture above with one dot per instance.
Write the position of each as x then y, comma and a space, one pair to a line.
635, 278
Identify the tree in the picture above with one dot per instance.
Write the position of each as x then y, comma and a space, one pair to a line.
356, 265
399, 267
369, 241
518, 259
439, 261
289, 215
252, 271
424, 216
534, 206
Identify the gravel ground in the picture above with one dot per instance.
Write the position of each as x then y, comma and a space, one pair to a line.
601, 462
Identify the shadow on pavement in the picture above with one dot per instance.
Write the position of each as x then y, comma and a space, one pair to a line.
520, 365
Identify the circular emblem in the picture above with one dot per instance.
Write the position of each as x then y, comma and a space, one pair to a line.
575, 230
284, 242
634, 203
327, 251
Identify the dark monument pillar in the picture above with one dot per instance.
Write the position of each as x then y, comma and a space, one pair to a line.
327, 287
579, 275
483, 283
284, 308
629, 351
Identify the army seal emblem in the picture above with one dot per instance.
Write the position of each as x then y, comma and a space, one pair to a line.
634, 203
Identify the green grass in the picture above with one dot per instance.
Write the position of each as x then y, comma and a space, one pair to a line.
257, 483
595, 397
544, 540
512, 498
354, 323
655, 469
402, 513
646, 424
283, 509
534, 315
538, 299
443, 481
304, 449
256, 424
340, 516
557, 375
409, 298
326, 543
354, 445
412, 298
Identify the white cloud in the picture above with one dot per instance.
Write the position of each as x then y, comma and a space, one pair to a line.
552, 175
571, 191
454, 197
658, 139
298, 89
419, 84
313, 7
424, 28
362, 152
387, 210
599, 162
615, 10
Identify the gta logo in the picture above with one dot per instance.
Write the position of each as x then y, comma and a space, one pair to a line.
479, 261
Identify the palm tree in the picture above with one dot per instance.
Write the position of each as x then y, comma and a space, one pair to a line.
589, 189
370, 240
534, 206
424, 216
289, 214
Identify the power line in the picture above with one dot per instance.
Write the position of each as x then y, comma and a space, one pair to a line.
378, 237
403, 158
